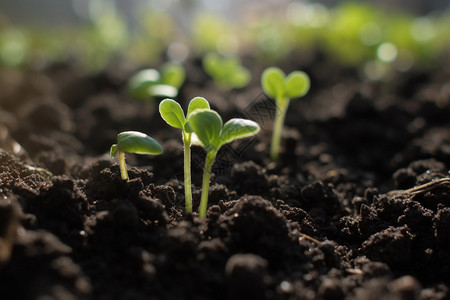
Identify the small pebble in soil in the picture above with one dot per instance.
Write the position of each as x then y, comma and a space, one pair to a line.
407, 287
246, 276
286, 287
331, 289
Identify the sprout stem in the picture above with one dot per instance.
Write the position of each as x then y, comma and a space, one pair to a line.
280, 114
123, 166
210, 156
187, 171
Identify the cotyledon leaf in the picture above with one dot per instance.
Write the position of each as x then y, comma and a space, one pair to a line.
235, 129
138, 142
172, 113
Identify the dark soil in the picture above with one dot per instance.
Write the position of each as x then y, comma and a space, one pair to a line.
358, 207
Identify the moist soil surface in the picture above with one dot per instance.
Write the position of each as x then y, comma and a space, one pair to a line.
357, 207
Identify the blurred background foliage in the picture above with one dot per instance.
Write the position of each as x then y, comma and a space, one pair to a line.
380, 37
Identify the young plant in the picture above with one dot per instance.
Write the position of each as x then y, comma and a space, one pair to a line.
173, 114
282, 88
213, 134
133, 142
149, 83
227, 72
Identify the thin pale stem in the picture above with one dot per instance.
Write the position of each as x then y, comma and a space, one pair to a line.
187, 171
423, 188
123, 166
210, 156
280, 114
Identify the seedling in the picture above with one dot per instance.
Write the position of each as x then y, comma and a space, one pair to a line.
173, 114
149, 83
213, 134
282, 88
227, 72
133, 142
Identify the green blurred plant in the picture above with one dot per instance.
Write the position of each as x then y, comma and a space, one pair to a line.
214, 33
282, 88
155, 31
147, 84
352, 33
227, 72
347, 38
14, 47
307, 24
269, 40
106, 36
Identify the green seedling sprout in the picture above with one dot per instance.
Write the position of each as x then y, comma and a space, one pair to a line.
149, 83
173, 114
227, 72
133, 142
213, 134
282, 88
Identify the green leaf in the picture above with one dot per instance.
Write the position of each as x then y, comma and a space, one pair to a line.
272, 82
162, 90
113, 150
210, 63
296, 84
139, 84
138, 142
197, 103
172, 113
229, 66
172, 74
207, 125
145, 75
194, 104
227, 72
237, 129
240, 77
